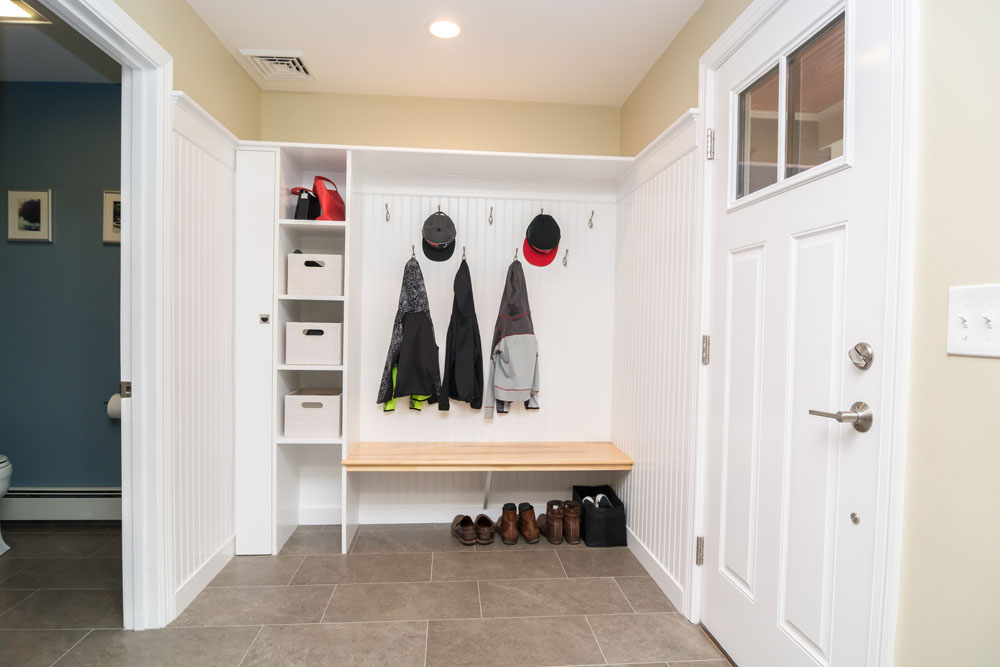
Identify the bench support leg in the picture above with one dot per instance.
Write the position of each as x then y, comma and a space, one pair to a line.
486, 491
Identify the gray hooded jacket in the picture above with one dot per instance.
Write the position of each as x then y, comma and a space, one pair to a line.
514, 354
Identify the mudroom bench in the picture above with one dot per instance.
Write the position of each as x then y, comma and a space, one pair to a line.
485, 456
488, 457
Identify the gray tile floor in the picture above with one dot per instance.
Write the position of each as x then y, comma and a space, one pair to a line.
405, 595
59, 583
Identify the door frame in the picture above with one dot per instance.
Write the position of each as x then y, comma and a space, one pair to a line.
902, 224
147, 79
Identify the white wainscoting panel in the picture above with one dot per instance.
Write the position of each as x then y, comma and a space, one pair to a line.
572, 310
198, 365
656, 351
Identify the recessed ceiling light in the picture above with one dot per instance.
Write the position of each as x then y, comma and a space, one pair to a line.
444, 28
18, 11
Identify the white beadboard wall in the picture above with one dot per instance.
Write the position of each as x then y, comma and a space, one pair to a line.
656, 351
572, 309
198, 365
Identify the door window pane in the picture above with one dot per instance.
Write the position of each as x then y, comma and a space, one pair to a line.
815, 129
757, 161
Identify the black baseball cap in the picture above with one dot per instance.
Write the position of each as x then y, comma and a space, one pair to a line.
439, 237
541, 241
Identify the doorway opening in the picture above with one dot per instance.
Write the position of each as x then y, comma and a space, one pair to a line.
60, 265
145, 80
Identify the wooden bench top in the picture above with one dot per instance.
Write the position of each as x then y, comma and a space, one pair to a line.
486, 456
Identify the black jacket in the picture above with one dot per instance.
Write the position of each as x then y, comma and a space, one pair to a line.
411, 365
463, 357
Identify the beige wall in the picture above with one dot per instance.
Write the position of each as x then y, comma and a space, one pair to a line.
424, 122
670, 87
203, 68
949, 608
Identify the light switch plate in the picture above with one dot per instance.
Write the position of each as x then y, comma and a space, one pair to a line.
974, 321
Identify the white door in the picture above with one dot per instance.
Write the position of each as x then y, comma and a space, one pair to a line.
799, 210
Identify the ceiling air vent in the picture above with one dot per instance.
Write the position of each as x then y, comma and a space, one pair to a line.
278, 65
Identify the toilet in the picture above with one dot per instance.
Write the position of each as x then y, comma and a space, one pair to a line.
5, 471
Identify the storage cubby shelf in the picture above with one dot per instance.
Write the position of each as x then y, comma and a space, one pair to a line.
306, 297
308, 367
313, 225
309, 441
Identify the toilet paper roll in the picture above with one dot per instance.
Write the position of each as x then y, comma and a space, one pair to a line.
115, 406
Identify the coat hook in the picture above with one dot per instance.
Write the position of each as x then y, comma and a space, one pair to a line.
543, 210
413, 252
590, 223
491, 215
439, 208
387, 213
463, 252
566, 257
515, 254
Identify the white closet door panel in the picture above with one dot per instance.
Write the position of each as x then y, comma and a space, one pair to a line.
255, 208
656, 350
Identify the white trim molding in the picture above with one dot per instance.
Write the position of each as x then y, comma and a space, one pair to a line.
898, 325
197, 582
147, 77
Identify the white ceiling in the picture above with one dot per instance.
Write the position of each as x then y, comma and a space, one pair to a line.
572, 51
53, 53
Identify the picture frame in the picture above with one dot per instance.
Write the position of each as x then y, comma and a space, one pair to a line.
112, 225
29, 216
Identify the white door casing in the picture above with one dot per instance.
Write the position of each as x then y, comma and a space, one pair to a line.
798, 273
147, 77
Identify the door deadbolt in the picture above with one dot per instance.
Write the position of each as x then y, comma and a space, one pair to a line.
862, 355
860, 415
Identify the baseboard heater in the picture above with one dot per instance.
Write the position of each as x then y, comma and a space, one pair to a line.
62, 504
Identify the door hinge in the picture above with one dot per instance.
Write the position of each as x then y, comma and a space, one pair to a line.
706, 350
709, 144
699, 554
125, 389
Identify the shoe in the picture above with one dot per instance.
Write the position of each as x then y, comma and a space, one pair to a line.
550, 524
571, 521
464, 530
484, 529
589, 500
330, 202
602, 500
526, 522
506, 525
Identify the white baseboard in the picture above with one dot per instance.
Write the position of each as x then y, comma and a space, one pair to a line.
196, 582
319, 515
670, 588
61, 509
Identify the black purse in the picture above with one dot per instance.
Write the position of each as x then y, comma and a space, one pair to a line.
307, 207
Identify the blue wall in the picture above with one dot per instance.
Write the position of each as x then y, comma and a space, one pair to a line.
59, 332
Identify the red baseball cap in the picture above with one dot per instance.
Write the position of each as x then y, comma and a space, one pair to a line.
541, 240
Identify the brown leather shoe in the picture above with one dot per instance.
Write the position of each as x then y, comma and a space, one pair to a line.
463, 529
484, 529
550, 524
571, 521
526, 522
507, 524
